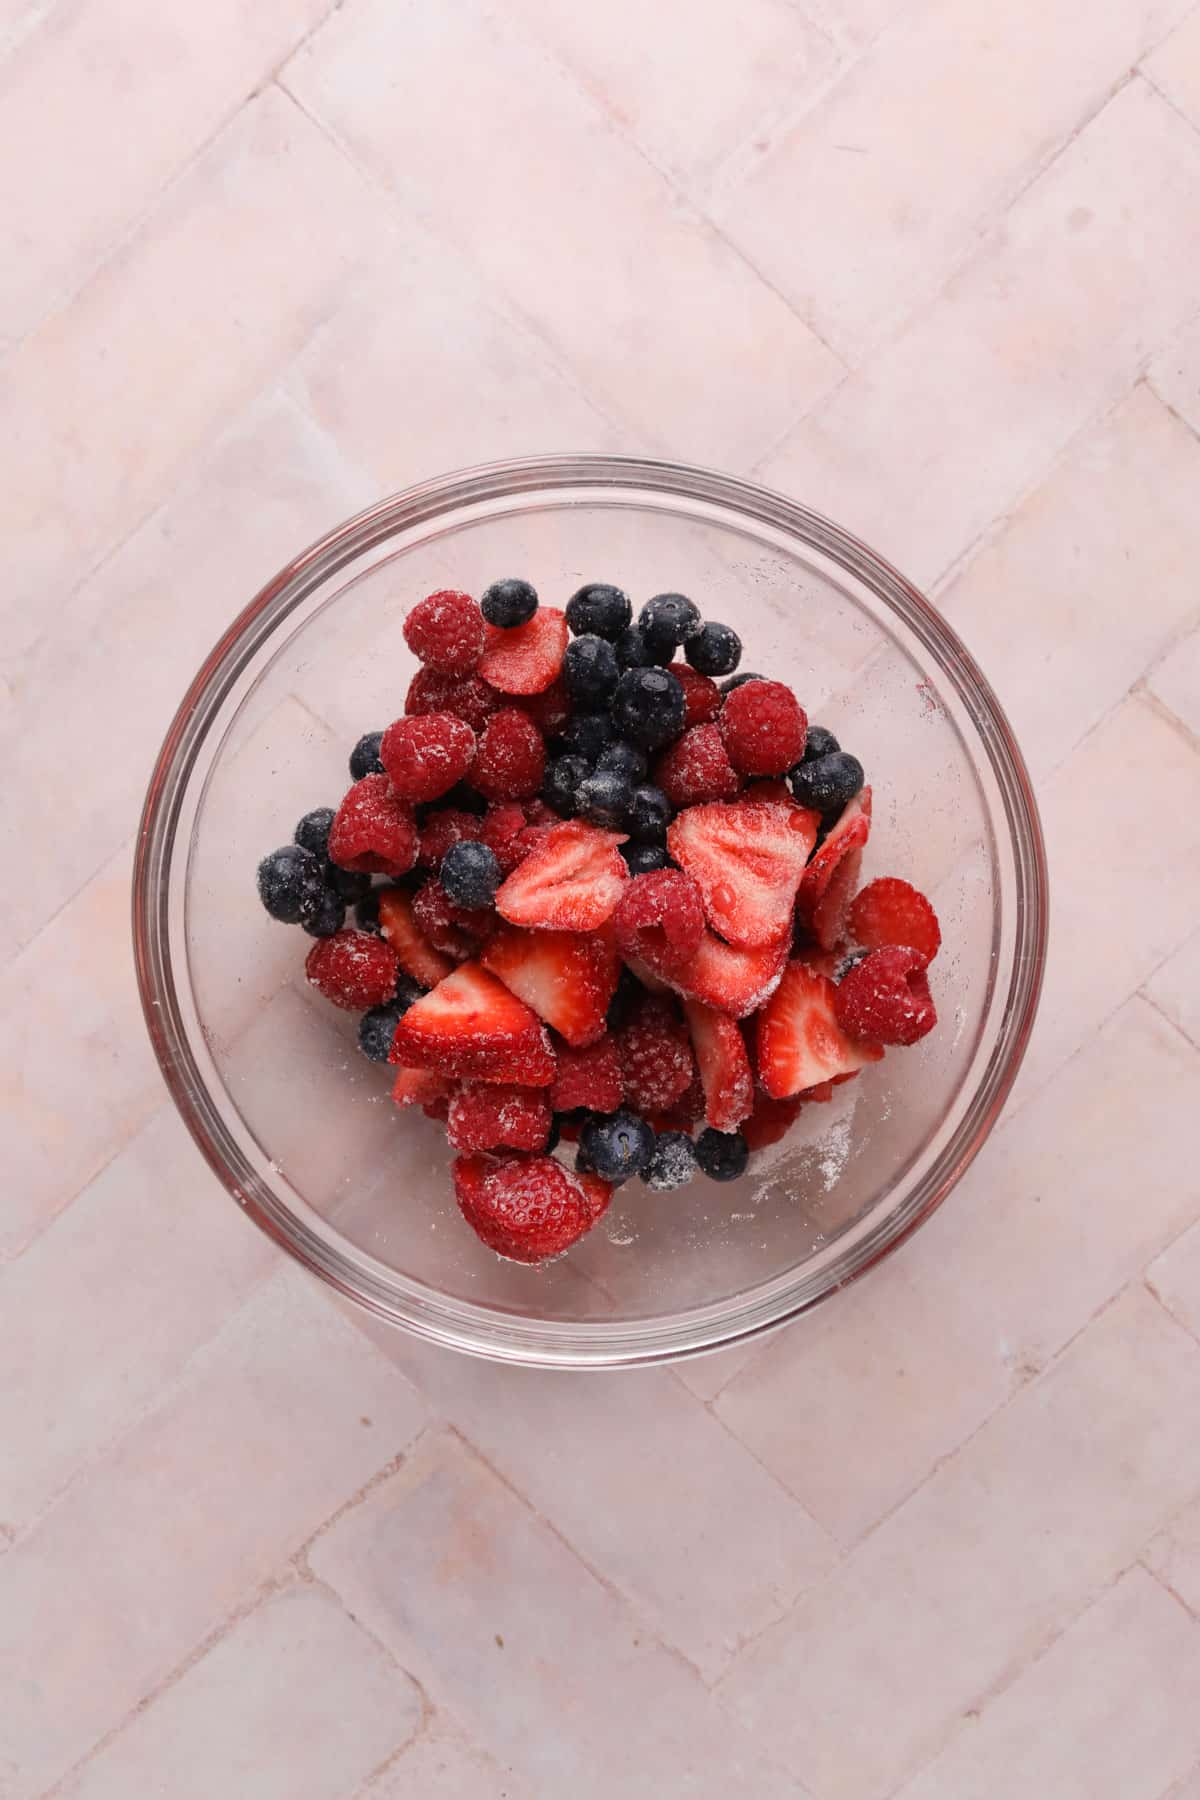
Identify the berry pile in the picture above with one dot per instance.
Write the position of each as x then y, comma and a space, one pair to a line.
605, 894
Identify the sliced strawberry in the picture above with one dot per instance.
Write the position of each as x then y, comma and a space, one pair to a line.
567, 977
471, 1028
748, 860
415, 954
420, 1087
725, 1070
590, 1077
701, 695
550, 709
595, 1194
771, 1120
891, 912
571, 881
488, 1116
830, 879
526, 659
646, 976
732, 980
800, 1042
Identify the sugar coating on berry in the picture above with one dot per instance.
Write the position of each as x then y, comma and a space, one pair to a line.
723, 1155
509, 602
445, 631
364, 758
648, 707
697, 768
550, 710
353, 969
599, 609
589, 1077
660, 921
456, 931
373, 831
616, 1147
764, 728
525, 1208
470, 874
716, 650
291, 884
503, 824
701, 695
656, 1056
425, 756
673, 1163
889, 912
468, 697
511, 759
490, 1116
450, 825
886, 998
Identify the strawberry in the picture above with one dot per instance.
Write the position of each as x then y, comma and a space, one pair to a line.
590, 1077
415, 954
471, 1028
419, 1087
800, 1042
771, 1120
747, 859
832, 876
725, 1071
525, 659
594, 1192
567, 977
730, 979
889, 912
571, 881
486, 1116
528, 1208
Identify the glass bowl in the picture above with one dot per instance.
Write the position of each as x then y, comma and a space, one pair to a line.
300, 1127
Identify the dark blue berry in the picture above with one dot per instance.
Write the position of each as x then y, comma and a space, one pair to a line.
509, 603
649, 814
364, 758
590, 670
648, 707
716, 650
644, 859
377, 1028
629, 989
366, 914
737, 681
668, 621
463, 796
625, 759
828, 783
820, 743
555, 1138
329, 917
599, 609
603, 798
291, 884
561, 783
723, 1155
470, 873
347, 884
632, 652
312, 833
673, 1163
618, 1146
588, 735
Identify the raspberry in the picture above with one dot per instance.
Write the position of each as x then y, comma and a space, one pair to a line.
886, 997
486, 1116
550, 709
701, 695
764, 727
889, 912
454, 930
511, 759
373, 832
660, 921
771, 1120
468, 697
697, 768
502, 825
538, 813
425, 756
447, 827
445, 631
525, 1208
656, 1056
687, 1111
590, 1078
354, 969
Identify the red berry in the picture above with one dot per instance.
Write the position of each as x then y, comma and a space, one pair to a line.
526, 659
526, 1208
725, 1071
731, 980
538, 813
511, 759
470, 1028
571, 880
373, 833
799, 1042
456, 931
660, 921
417, 955
425, 756
487, 1116
419, 1087
449, 826
823, 903
889, 912
354, 969
445, 631
468, 697
656, 1056
771, 1120
697, 768
701, 695
502, 825
687, 1111
748, 860
567, 977
764, 726
886, 997
550, 709
589, 1077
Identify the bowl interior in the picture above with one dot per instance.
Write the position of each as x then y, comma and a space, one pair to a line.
303, 1127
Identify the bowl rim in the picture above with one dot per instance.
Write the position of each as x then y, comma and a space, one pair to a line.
464, 1325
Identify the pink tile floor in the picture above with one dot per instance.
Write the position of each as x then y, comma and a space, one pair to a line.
933, 267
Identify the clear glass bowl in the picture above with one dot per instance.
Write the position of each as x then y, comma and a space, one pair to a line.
299, 1126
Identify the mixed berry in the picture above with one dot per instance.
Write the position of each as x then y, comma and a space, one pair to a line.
595, 893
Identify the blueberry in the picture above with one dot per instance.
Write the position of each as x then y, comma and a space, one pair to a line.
828, 783
366, 914
668, 621
629, 988
644, 859
347, 884
820, 743
329, 917
470, 873
603, 798
632, 652
723, 1155
590, 670
649, 814
600, 610
555, 1137
312, 833
673, 1163
561, 783
466, 798
617, 1146
588, 735
509, 603
291, 884
364, 758
648, 707
625, 759
377, 1028
737, 681
715, 651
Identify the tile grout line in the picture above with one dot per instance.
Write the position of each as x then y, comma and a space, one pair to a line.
1161, 94
1166, 1018
1162, 1582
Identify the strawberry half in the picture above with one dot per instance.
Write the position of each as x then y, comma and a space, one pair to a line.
472, 1029
526, 659
590, 1078
800, 1042
725, 1071
571, 881
748, 861
729, 979
830, 879
415, 954
567, 977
